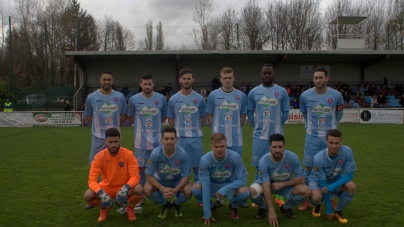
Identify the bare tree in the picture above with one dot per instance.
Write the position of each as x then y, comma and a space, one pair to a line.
278, 21
227, 25
206, 37
159, 43
254, 27
395, 26
374, 25
113, 36
148, 41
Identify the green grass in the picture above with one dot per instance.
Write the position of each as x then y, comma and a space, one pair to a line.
44, 176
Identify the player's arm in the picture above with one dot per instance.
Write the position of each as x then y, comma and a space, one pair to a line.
171, 113
285, 106
185, 173
154, 182
341, 181
163, 110
95, 171
205, 181
250, 114
88, 111
322, 182
241, 177
242, 119
209, 116
89, 119
250, 108
124, 110
131, 119
171, 122
266, 190
122, 119
285, 115
339, 109
202, 110
303, 107
133, 169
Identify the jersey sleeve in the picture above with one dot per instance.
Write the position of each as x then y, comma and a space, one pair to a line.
350, 165
88, 111
133, 168
318, 167
250, 101
211, 104
131, 109
185, 165
124, 105
202, 107
243, 109
303, 107
297, 167
152, 163
163, 107
263, 171
285, 101
239, 170
95, 171
204, 172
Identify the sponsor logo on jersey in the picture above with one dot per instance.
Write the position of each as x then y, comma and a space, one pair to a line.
268, 101
149, 111
228, 118
266, 113
149, 124
188, 109
221, 175
228, 106
321, 121
321, 109
188, 121
109, 120
168, 170
334, 172
280, 176
108, 108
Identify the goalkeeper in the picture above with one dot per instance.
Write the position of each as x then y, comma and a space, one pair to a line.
120, 178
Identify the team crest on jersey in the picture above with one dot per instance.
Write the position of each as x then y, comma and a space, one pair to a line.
121, 164
268, 101
195, 101
228, 106
177, 162
340, 162
236, 97
156, 102
321, 109
148, 111
228, 118
115, 99
329, 100
280, 176
228, 165
188, 109
287, 165
276, 94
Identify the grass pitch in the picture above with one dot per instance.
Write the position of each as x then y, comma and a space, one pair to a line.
44, 176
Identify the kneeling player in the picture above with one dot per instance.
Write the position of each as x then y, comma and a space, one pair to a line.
275, 177
332, 174
169, 165
120, 178
222, 174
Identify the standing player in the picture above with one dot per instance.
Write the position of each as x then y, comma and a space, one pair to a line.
105, 108
223, 174
322, 108
271, 104
226, 111
120, 177
167, 174
187, 114
147, 111
276, 169
333, 172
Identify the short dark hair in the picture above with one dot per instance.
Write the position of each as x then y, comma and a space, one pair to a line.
321, 69
226, 70
276, 137
107, 72
334, 133
112, 132
267, 65
185, 71
168, 130
146, 76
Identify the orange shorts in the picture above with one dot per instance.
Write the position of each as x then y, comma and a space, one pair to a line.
111, 191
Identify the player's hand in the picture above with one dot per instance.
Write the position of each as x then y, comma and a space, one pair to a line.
324, 190
121, 197
218, 195
272, 219
106, 201
207, 221
276, 186
330, 216
167, 193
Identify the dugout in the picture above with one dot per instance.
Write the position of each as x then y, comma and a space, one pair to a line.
291, 66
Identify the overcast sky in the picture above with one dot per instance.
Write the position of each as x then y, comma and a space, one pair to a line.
135, 13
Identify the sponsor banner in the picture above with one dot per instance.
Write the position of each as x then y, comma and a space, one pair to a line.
15, 119
295, 117
374, 116
56, 119
306, 72
351, 116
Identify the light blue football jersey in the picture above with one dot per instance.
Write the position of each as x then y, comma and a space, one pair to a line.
226, 109
320, 110
168, 168
324, 168
147, 113
187, 112
272, 171
226, 171
106, 111
268, 103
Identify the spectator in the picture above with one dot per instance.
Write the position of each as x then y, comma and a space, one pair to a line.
346, 97
161, 91
374, 103
113, 87
339, 88
249, 88
402, 100
398, 89
243, 88
372, 89
125, 91
168, 88
203, 92
383, 91
288, 90
215, 83
294, 104
66, 106
386, 83
381, 100
359, 94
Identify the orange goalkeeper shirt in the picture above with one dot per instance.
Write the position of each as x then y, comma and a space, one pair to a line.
115, 170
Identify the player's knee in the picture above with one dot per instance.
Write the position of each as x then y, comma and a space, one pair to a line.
241, 190
350, 187
148, 189
139, 190
316, 195
89, 195
187, 191
197, 186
